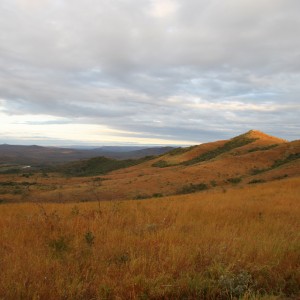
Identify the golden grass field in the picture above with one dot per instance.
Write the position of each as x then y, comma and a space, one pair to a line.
240, 243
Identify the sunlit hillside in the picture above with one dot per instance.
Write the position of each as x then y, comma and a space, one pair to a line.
251, 158
242, 243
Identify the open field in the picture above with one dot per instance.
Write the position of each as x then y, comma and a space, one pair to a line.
239, 243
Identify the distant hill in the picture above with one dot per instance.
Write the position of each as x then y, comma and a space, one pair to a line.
97, 165
37, 155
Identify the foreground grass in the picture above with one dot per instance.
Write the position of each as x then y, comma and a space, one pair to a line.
243, 243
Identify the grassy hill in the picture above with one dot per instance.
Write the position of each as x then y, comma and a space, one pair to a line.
251, 158
221, 222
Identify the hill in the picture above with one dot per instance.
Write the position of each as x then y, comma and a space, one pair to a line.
37, 155
250, 158
234, 235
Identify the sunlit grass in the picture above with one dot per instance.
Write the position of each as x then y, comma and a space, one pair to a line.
242, 243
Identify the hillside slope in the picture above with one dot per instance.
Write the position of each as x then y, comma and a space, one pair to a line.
250, 158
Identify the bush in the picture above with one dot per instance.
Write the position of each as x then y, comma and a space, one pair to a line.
192, 188
234, 180
157, 195
213, 183
60, 246
256, 171
180, 150
160, 164
254, 181
142, 196
89, 238
263, 148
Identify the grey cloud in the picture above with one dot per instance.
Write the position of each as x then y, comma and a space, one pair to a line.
115, 63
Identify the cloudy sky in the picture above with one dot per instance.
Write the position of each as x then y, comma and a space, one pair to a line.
148, 71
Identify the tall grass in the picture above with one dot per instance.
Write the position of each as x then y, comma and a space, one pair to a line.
214, 245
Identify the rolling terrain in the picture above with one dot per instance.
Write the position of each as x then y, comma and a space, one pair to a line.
251, 158
45, 156
222, 223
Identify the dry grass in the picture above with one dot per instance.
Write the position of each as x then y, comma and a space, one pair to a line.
243, 243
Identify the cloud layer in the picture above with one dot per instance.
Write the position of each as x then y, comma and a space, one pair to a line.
170, 71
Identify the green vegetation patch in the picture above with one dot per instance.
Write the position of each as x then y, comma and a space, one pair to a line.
254, 181
263, 148
234, 180
180, 150
98, 165
232, 144
277, 164
161, 164
192, 188
286, 160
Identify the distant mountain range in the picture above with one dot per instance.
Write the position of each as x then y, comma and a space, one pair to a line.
38, 155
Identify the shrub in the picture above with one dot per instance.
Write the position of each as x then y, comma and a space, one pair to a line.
157, 195
263, 148
192, 188
120, 259
180, 150
256, 171
60, 246
89, 238
234, 180
160, 164
141, 197
213, 183
256, 181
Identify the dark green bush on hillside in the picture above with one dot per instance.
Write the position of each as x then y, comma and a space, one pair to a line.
263, 148
192, 188
180, 150
234, 180
161, 164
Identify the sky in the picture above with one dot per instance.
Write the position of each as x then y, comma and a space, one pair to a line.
159, 72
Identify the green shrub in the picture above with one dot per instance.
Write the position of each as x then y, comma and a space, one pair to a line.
213, 183
180, 150
157, 195
254, 181
60, 246
263, 148
192, 188
160, 164
286, 160
235, 180
256, 171
142, 196
89, 238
